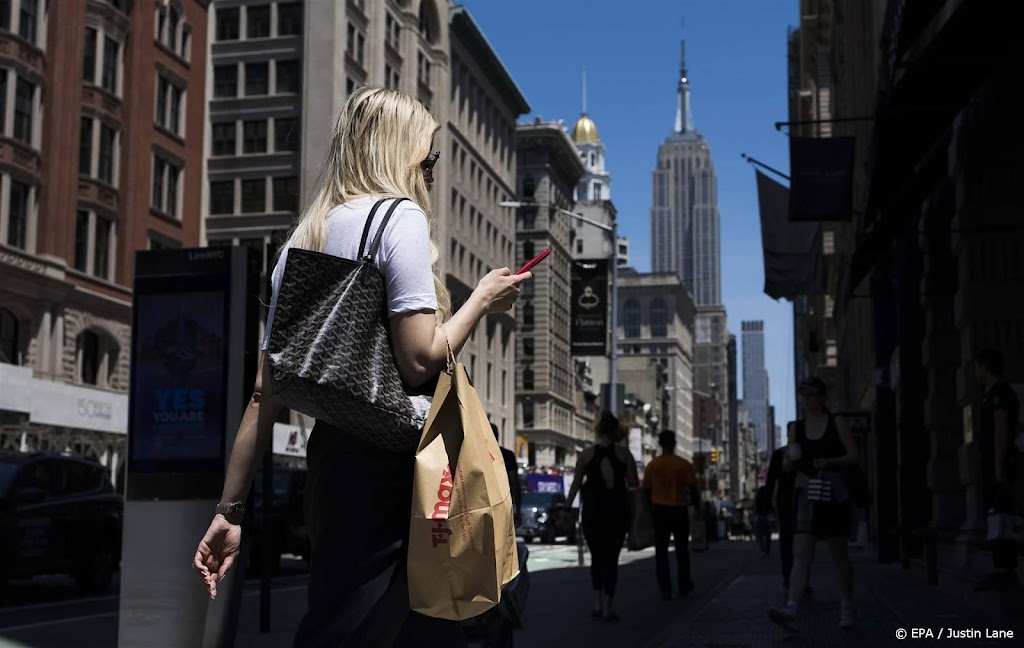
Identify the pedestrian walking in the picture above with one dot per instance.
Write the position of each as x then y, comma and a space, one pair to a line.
1000, 413
358, 497
819, 449
670, 483
762, 520
603, 474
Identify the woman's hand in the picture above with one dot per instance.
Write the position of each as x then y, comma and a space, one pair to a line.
499, 289
217, 552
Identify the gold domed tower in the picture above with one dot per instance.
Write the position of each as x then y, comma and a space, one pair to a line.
596, 181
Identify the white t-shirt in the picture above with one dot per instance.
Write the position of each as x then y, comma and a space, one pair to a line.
403, 257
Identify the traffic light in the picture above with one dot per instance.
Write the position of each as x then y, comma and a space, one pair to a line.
714, 455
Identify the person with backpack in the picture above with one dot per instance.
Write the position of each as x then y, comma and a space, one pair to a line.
359, 495
604, 473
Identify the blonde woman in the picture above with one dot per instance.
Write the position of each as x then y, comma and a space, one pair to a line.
358, 498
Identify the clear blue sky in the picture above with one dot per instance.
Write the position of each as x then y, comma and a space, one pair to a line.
736, 60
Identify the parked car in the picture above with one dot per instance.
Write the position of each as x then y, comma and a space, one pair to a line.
547, 516
59, 514
289, 534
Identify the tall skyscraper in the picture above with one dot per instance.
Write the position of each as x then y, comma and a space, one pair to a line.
684, 216
685, 239
755, 383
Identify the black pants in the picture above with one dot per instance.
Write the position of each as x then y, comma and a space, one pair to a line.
787, 523
763, 533
1000, 497
604, 536
357, 503
671, 521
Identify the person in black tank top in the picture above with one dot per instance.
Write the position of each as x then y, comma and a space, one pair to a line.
604, 474
820, 447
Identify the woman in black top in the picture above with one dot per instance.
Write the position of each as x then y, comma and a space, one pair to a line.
605, 471
825, 447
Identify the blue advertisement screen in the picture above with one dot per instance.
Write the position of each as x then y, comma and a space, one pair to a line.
178, 378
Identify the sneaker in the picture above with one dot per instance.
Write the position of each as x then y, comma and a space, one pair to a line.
784, 616
847, 615
999, 581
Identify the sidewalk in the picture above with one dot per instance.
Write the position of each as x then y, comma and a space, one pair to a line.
887, 599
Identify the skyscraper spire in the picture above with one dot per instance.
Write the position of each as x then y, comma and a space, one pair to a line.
684, 117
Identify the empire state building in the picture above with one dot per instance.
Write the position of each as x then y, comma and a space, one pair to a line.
685, 235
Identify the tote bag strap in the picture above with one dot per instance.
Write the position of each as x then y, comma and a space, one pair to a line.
371, 253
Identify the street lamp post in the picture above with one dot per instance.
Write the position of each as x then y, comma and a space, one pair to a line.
613, 260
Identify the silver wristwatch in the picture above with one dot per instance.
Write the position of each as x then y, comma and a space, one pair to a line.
230, 508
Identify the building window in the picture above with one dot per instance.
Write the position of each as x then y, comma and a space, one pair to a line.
227, 24
528, 347
168, 105
8, 337
423, 68
28, 20
89, 348
286, 136
24, 100
225, 81
286, 194
254, 136
257, 22
392, 30
85, 147
166, 186
89, 61
222, 197
111, 51
356, 44
528, 315
391, 77
528, 415
428, 21
3, 97
224, 138
289, 77
257, 79
254, 196
289, 19
631, 312
17, 216
82, 240
659, 318
105, 170
527, 378
101, 247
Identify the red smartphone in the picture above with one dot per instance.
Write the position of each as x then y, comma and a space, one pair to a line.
537, 259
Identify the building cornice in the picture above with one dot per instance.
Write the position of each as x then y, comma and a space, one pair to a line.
461, 23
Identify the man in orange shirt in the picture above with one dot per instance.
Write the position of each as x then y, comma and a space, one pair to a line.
670, 483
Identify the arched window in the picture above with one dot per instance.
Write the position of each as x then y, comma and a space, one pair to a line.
8, 337
631, 318
428, 21
659, 318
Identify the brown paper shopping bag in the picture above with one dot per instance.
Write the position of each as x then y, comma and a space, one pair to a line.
462, 544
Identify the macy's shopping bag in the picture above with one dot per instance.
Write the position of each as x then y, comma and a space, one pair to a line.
462, 543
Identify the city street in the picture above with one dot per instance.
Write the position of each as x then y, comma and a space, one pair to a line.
734, 589
558, 613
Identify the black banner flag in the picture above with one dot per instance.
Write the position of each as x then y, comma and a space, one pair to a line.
589, 308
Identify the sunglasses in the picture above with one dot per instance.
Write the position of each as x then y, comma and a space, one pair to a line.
428, 164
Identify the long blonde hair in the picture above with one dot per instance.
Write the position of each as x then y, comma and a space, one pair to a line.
376, 147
